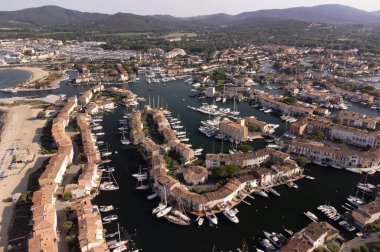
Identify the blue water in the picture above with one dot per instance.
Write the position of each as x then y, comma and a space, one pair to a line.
10, 77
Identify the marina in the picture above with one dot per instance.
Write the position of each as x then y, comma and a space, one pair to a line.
132, 206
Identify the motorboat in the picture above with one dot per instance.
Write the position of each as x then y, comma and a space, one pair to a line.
261, 193
212, 219
106, 154
152, 196
200, 221
292, 185
311, 216
267, 244
109, 187
354, 170
230, 214
274, 192
355, 201
164, 212
309, 177
110, 218
105, 209
274, 238
97, 128
366, 187
110, 169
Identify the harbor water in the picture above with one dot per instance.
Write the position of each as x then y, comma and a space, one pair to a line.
272, 214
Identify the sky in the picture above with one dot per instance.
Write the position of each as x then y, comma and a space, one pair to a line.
181, 8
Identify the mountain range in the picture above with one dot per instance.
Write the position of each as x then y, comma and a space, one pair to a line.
57, 18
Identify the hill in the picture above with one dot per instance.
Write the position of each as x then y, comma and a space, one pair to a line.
57, 18
329, 14
50, 16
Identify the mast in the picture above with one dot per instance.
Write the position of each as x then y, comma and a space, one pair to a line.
118, 231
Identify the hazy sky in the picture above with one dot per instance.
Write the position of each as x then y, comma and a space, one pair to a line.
181, 8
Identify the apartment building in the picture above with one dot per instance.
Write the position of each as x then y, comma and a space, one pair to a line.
321, 153
237, 131
355, 119
90, 227
311, 237
368, 213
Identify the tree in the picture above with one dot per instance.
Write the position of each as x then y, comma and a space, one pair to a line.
225, 171
219, 172
320, 134
302, 161
67, 225
41, 115
218, 76
290, 100
336, 120
364, 248
378, 126
232, 170
67, 196
253, 127
245, 148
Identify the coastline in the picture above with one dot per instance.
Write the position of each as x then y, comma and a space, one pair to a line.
13, 133
37, 73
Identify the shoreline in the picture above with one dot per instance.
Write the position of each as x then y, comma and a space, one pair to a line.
37, 74
13, 133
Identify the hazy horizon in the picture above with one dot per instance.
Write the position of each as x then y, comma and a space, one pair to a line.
180, 9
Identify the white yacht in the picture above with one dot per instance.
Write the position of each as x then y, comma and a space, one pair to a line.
311, 216
212, 219
274, 192
261, 193
105, 209
200, 221
230, 214
110, 217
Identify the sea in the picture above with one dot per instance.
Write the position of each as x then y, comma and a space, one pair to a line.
10, 77
273, 214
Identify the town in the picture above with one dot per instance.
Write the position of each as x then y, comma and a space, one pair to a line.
190, 141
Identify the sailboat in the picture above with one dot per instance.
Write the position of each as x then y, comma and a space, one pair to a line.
224, 94
120, 244
178, 217
109, 185
124, 140
164, 211
235, 112
140, 174
140, 185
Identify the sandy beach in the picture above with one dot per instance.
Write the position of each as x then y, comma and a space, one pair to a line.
37, 73
23, 130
